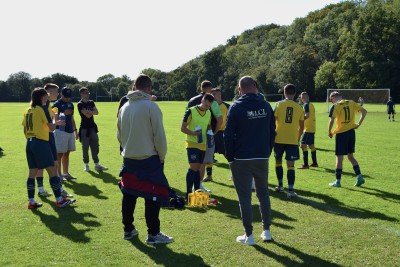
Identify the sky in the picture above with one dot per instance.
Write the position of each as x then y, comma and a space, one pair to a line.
88, 38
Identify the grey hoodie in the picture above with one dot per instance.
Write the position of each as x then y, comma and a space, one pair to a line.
140, 128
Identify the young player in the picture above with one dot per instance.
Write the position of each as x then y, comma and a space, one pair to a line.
197, 116
390, 108
343, 112
38, 151
307, 139
289, 117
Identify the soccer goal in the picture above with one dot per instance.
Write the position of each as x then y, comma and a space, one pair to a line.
273, 97
373, 96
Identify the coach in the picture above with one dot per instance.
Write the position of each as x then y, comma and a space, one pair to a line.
249, 138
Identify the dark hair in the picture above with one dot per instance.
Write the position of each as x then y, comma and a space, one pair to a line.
83, 89
290, 89
36, 97
142, 81
208, 97
205, 84
50, 86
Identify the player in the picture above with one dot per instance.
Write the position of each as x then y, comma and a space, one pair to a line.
307, 139
52, 91
343, 112
38, 151
197, 116
390, 108
219, 136
88, 130
360, 101
289, 117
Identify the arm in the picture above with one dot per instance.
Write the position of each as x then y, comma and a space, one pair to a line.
363, 114
160, 140
218, 125
185, 130
301, 128
330, 125
229, 136
74, 127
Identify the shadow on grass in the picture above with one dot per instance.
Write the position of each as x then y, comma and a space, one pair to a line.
105, 176
83, 189
63, 225
334, 206
161, 254
332, 171
305, 259
324, 149
222, 165
378, 193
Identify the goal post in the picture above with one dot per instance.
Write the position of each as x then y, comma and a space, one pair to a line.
375, 96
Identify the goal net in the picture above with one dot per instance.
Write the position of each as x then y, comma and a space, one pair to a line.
273, 97
368, 96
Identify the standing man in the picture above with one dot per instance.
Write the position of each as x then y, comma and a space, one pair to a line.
216, 122
289, 117
343, 112
144, 146
390, 108
219, 136
249, 138
307, 139
65, 138
88, 130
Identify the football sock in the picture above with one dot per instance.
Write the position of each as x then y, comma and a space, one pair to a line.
314, 156
30, 185
338, 173
39, 180
196, 180
279, 173
356, 169
305, 156
55, 186
290, 177
189, 180
209, 169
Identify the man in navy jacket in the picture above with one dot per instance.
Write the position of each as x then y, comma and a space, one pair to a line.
249, 138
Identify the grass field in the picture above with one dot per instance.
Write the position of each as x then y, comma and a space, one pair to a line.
324, 226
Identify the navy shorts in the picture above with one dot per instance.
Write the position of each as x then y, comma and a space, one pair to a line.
219, 143
292, 152
307, 138
345, 143
38, 154
195, 155
53, 148
391, 111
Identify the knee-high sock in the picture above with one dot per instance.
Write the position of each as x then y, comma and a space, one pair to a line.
196, 180
279, 173
30, 186
338, 173
356, 169
55, 186
189, 180
314, 156
305, 156
291, 177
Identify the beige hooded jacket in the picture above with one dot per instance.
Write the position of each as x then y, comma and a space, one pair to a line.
140, 128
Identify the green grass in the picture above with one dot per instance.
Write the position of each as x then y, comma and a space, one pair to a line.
325, 226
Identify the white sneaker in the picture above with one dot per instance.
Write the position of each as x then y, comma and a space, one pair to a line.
247, 240
266, 235
98, 167
204, 189
86, 168
160, 238
291, 194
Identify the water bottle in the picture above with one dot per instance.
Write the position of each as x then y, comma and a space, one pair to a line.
62, 117
210, 138
200, 136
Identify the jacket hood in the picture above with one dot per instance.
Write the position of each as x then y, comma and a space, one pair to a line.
247, 100
138, 95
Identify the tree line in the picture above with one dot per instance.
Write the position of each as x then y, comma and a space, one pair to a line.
352, 44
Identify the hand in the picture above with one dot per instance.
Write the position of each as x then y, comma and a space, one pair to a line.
60, 123
357, 125
330, 134
197, 133
76, 135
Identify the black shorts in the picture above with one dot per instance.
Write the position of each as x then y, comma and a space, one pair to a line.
38, 154
195, 155
345, 143
219, 143
307, 138
391, 112
292, 152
